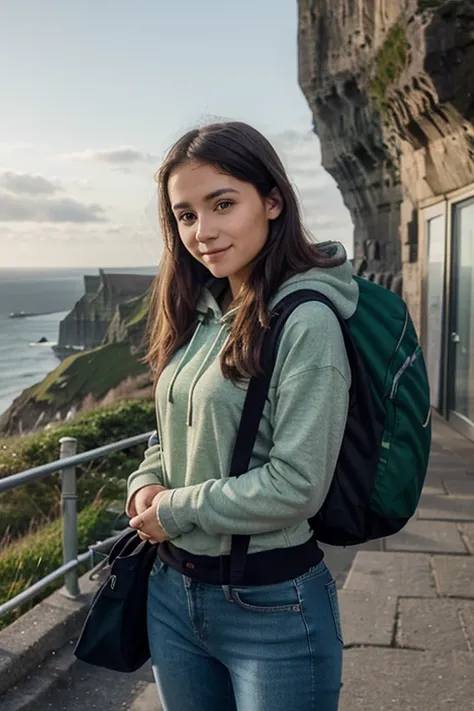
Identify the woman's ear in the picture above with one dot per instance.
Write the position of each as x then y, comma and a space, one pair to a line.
274, 204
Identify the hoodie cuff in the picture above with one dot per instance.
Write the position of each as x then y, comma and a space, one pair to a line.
169, 519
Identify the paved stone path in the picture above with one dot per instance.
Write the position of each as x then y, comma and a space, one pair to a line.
408, 610
407, 606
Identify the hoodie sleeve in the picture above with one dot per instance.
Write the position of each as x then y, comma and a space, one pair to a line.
309, 417
149, 472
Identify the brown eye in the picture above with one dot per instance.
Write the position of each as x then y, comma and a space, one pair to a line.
186, 217
223, 205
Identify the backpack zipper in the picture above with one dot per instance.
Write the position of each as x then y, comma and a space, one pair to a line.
408, 361
405, 364
404, 330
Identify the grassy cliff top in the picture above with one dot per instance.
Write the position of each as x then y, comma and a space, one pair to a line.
94, 372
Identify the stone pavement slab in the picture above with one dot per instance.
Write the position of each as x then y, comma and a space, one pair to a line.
434, 485
460, 487
445, 508
396, 574
147, 700
406, 680
89, 688
454, 575
447, 459
435, 624
367, 618
27, 641
447, 469
427, 537
467, 530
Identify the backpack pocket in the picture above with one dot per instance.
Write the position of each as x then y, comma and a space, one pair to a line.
407, 437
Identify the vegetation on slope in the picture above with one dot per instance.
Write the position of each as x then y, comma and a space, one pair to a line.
390, 62
93, 372
36, 503
30, 515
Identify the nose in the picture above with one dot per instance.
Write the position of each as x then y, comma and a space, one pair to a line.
206, 229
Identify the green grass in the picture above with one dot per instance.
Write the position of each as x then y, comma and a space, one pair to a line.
136, 310
30, 523
24, 562
39, 501
390, 62
94, 372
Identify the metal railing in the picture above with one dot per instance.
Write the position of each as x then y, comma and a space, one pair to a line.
66, 465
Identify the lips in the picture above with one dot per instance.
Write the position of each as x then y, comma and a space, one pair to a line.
215, 251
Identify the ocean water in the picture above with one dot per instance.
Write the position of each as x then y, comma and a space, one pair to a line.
23, 361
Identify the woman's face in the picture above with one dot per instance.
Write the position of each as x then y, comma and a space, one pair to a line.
223, 222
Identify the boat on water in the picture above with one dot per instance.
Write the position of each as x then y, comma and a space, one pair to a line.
23, 314
26, 314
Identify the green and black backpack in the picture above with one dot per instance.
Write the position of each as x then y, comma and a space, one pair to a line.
385, 449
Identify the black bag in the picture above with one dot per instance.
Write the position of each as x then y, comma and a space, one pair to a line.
114, 634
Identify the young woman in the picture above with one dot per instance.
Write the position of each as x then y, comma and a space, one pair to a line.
235, 246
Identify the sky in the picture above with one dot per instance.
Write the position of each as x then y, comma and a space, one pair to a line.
94, 92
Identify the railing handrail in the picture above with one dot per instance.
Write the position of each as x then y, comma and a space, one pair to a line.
24, 477
67, 466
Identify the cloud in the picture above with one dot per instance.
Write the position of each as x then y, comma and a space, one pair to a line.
27, 184
24, 208
122, 155
26, 197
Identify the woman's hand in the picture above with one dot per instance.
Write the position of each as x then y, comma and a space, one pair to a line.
143, 499
147, 524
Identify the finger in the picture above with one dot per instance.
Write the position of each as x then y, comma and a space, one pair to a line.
136, 522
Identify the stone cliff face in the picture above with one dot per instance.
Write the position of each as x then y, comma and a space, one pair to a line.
109, 322
105, 300
391, 87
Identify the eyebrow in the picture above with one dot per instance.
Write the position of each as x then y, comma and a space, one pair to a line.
210, 196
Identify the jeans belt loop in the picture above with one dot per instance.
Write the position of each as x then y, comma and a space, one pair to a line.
228, 593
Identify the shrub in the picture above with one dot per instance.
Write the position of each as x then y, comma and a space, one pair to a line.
25, 507
24, 562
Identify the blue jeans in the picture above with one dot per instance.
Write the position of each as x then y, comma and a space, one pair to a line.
259, 648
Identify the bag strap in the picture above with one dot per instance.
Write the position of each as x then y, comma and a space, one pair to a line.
255, 401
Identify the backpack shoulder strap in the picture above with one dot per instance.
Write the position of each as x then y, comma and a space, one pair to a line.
256, 396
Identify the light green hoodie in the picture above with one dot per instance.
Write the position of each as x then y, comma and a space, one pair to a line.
293, 461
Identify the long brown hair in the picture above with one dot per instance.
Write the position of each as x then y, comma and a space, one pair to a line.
242, 152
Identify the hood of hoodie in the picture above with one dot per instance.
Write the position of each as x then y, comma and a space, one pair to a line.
336, 283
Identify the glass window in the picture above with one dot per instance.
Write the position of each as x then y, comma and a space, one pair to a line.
435, 237
463, 335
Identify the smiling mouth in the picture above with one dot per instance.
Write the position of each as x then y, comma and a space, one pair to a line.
216, 251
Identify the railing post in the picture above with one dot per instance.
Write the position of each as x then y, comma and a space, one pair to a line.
69, 513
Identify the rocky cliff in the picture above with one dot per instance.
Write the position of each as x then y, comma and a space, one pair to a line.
109, 323
391, 87
108, 299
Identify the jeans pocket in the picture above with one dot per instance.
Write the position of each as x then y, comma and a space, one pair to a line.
282, 597
333, 601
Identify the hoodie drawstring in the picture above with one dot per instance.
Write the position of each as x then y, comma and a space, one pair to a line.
189, 415
180, 365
